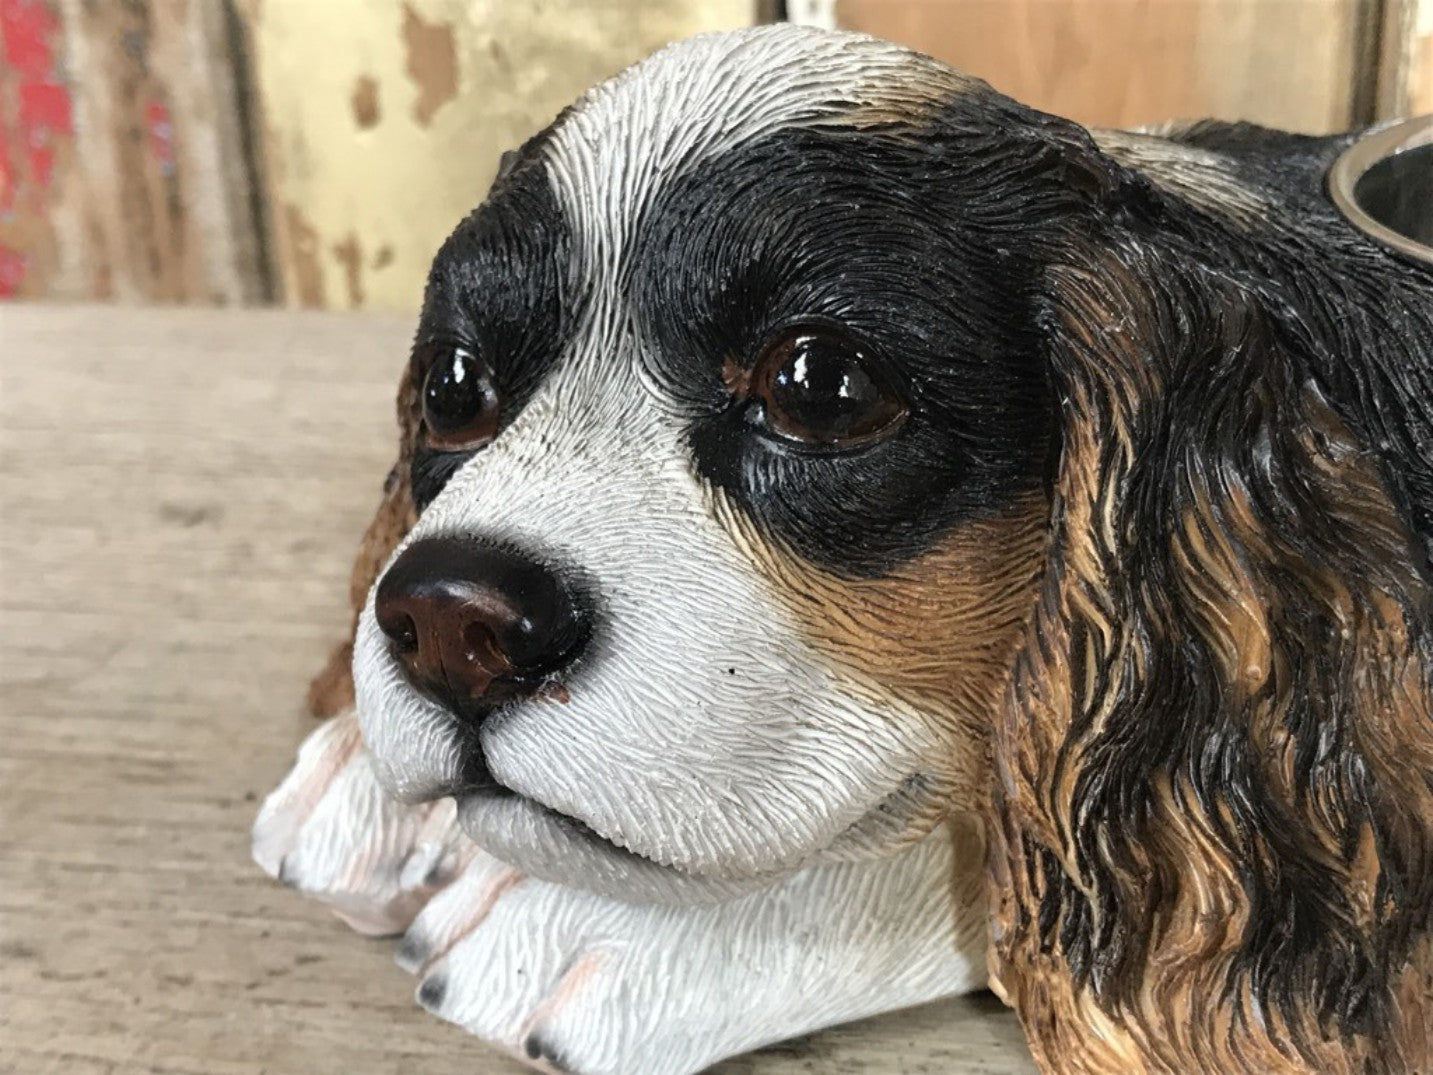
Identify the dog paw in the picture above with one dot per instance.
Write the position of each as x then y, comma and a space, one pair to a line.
559, 978
569, 981
331, 832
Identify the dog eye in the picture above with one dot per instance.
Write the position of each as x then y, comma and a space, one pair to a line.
820, 387
460, 402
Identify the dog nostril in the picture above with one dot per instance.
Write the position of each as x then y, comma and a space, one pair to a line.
403, 633
395, 620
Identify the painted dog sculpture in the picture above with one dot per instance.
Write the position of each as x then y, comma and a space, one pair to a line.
852, 531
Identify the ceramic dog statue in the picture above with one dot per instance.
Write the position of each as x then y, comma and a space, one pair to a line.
850, 531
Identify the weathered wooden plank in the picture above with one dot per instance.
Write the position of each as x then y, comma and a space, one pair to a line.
180, 492
1295, 64
1405, 74
379, 142
124, 170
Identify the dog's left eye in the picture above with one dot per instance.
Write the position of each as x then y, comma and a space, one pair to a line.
818, 386
460, 402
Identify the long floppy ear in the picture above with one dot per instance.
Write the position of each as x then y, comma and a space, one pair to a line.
1212, 844
331, 691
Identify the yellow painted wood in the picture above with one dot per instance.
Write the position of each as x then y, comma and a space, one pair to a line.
180, 495
385, 119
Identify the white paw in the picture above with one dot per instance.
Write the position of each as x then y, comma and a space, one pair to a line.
331, 832
574, 982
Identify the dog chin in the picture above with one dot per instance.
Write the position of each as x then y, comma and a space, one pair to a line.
561, 849
554, 847
418, 755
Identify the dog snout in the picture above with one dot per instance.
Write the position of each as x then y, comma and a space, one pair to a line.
473, 625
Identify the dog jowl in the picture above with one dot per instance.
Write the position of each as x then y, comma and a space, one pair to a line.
812, 461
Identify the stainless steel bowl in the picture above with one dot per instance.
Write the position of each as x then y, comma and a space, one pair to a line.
1383, 183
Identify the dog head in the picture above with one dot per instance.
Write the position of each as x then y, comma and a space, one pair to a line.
728, 437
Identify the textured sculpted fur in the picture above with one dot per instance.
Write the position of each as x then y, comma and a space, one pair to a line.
1135, 569
1215, 769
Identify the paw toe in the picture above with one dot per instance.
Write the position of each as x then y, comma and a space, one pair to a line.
431, 993
455, 912
540, 1048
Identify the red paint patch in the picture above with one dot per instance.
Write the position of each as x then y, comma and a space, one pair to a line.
45, 105
26, 27
160, 125
12, 272
9, 181
44, 115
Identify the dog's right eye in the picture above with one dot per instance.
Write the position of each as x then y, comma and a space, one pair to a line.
460, 401
819, 387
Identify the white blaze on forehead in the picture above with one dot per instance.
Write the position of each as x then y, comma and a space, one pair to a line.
702, 97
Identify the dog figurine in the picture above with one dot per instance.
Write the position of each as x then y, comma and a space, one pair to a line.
855, 538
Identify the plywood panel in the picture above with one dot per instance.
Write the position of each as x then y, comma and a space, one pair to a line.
124, 171
381, 140
1120, 63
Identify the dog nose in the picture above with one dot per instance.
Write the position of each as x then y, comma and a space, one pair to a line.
474, 625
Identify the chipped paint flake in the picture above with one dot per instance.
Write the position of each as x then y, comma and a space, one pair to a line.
366, 110
432, 63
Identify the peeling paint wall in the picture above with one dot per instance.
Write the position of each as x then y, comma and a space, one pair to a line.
318, 151
36, 143
123, 168
383, 125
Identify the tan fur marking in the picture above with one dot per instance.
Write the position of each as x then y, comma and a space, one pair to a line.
909, 103
937, 633
331, 691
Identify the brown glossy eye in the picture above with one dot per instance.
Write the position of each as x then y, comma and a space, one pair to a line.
819, 386
460, 402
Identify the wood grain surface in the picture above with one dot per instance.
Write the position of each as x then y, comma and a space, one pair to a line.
125, 164
1405, 69
1296, 64
180, 491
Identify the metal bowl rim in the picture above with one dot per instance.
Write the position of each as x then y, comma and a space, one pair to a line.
1378, 144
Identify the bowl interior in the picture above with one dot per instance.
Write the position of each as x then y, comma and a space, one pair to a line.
1397, 192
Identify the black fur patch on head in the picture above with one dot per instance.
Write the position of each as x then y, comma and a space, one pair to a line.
500, 287
927, 247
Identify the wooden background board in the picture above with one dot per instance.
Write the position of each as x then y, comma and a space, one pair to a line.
125, 170
316, 152
1304, 65
1405, 63
180, 492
